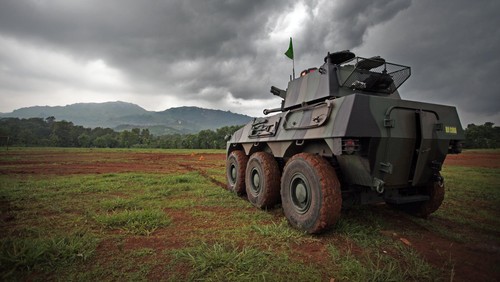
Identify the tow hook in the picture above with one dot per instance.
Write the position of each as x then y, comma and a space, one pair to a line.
439, 179
378, 185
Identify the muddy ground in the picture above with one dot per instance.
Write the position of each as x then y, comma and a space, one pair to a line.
477, 260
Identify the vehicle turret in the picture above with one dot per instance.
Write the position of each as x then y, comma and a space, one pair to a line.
342, 74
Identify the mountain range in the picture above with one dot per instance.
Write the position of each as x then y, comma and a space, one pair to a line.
125, 116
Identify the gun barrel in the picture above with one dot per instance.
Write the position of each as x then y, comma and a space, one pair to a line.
278, 92
268, 111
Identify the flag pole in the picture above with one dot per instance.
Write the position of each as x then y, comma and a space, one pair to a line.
290, 55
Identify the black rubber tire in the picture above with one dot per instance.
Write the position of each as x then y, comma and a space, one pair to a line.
310, 193
262, 180
435, 191
236, 165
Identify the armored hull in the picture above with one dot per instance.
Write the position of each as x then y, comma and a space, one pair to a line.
344, 137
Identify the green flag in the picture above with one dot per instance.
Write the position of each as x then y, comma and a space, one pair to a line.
289, 52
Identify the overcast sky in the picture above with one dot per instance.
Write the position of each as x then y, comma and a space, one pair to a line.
226, 54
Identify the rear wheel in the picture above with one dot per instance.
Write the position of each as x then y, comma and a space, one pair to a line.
236, 165
262, 180
435, 191
310, 193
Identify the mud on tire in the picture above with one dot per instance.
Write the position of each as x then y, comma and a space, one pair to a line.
236, 165
310, 193
435, 190
262, 180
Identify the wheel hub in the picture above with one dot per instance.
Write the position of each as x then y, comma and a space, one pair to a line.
233, 173
300, 194
255, 181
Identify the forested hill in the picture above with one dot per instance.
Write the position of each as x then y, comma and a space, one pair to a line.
125, 116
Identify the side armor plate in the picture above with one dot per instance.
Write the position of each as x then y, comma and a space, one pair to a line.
308, 117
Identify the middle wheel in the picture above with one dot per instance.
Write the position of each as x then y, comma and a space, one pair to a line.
262, 180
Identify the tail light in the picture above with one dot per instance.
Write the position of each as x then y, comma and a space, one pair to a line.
350, 146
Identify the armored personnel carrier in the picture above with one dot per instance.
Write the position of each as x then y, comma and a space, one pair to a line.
343, 137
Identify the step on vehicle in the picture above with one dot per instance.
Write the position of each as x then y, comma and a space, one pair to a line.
342, 137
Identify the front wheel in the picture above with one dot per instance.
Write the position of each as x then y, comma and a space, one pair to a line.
310, 193
236, 165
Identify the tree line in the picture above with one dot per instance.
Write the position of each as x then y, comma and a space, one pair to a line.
51, 133
482, 136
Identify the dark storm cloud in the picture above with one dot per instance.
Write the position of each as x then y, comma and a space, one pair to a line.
452, 47
340, 25
206, 50
143, 38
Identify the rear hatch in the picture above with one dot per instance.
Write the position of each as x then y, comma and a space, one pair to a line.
409, 140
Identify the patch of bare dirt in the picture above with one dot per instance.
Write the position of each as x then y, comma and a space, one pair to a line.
477, 259
475, 159
55, 163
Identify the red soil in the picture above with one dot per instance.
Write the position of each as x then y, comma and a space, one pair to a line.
469, 261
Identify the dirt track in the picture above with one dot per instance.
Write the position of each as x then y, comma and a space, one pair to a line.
474, 159
472, 261
48, 162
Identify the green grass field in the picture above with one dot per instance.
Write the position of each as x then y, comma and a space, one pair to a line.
176, 223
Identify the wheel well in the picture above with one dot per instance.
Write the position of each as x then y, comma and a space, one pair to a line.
234, 147
260, 147
256, 147
315, 146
